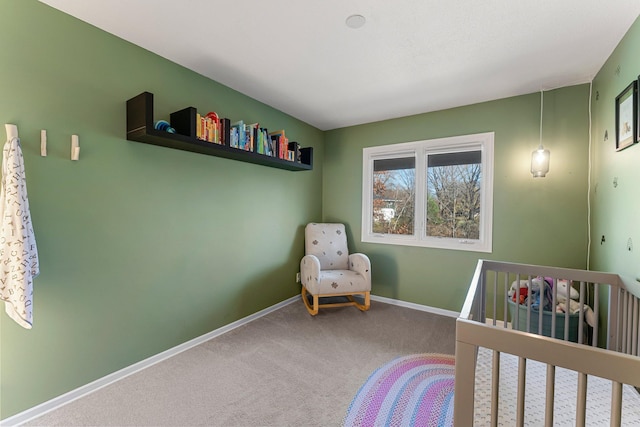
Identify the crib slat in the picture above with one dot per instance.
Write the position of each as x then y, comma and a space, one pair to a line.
625, 322
543, 285
581, 401
554, 298
495, 299
638, 333
517, 310
506, 298
581, 313
629, 321
620, 321
522, 377
566, 321
616, 404
596, 314
529, 307
551, 385
614, 321
495, 388
634, 334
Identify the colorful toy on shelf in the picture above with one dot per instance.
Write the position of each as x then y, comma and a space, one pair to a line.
165, 126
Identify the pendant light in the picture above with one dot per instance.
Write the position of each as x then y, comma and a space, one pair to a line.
540, 157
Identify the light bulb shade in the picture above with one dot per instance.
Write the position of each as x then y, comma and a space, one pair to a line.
540, 162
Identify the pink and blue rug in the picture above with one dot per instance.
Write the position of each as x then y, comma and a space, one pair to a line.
414, 390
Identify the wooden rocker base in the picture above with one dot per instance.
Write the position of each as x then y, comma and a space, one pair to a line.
313, 309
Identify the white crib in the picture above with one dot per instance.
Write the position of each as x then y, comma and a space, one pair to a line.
609, 350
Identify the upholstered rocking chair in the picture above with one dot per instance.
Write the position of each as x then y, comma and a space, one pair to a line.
328, 270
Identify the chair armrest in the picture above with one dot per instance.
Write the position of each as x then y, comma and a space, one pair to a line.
360, 264
309, 270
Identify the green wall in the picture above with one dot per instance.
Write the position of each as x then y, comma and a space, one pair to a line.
537, 221
616, 209
141, 248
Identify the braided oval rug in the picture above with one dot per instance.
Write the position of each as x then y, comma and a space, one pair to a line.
415, 390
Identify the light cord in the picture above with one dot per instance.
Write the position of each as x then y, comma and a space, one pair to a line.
541, 113
589, 184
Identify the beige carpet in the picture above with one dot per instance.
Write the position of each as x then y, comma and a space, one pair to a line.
284, 369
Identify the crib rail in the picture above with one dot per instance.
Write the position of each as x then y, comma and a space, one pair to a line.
488, 319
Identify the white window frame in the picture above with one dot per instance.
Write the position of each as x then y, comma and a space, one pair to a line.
420, 149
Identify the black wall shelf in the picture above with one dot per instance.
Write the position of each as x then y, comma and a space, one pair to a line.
140, 128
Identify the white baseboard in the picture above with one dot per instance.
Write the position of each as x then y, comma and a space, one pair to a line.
50, 405
434, 310
57, 402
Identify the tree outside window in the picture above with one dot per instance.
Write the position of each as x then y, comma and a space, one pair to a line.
453, 195
394, 194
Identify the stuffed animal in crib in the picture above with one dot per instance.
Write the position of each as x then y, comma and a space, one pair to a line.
562, 291
520, 291
539, 285
524, 292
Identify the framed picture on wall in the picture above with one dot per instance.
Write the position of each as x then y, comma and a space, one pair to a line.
627, 117
638, 110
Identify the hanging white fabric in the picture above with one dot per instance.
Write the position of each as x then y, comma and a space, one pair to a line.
18, 251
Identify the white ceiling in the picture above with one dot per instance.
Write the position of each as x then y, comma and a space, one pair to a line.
411, 56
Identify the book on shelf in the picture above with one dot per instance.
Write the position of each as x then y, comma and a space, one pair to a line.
213, 127
275, 141
293, 153
259, 141
207, 127
225, 128
244, 136
265, 142
256, 135
234, 138
281, 142
239, 134
250, 132
248, 135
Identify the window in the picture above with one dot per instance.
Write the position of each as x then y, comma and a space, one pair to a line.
436, 193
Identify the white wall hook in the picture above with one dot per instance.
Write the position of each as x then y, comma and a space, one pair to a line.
12, 131
75, 148
43, 143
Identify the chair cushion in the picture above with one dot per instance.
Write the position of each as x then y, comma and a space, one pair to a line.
338, 281
328, 242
